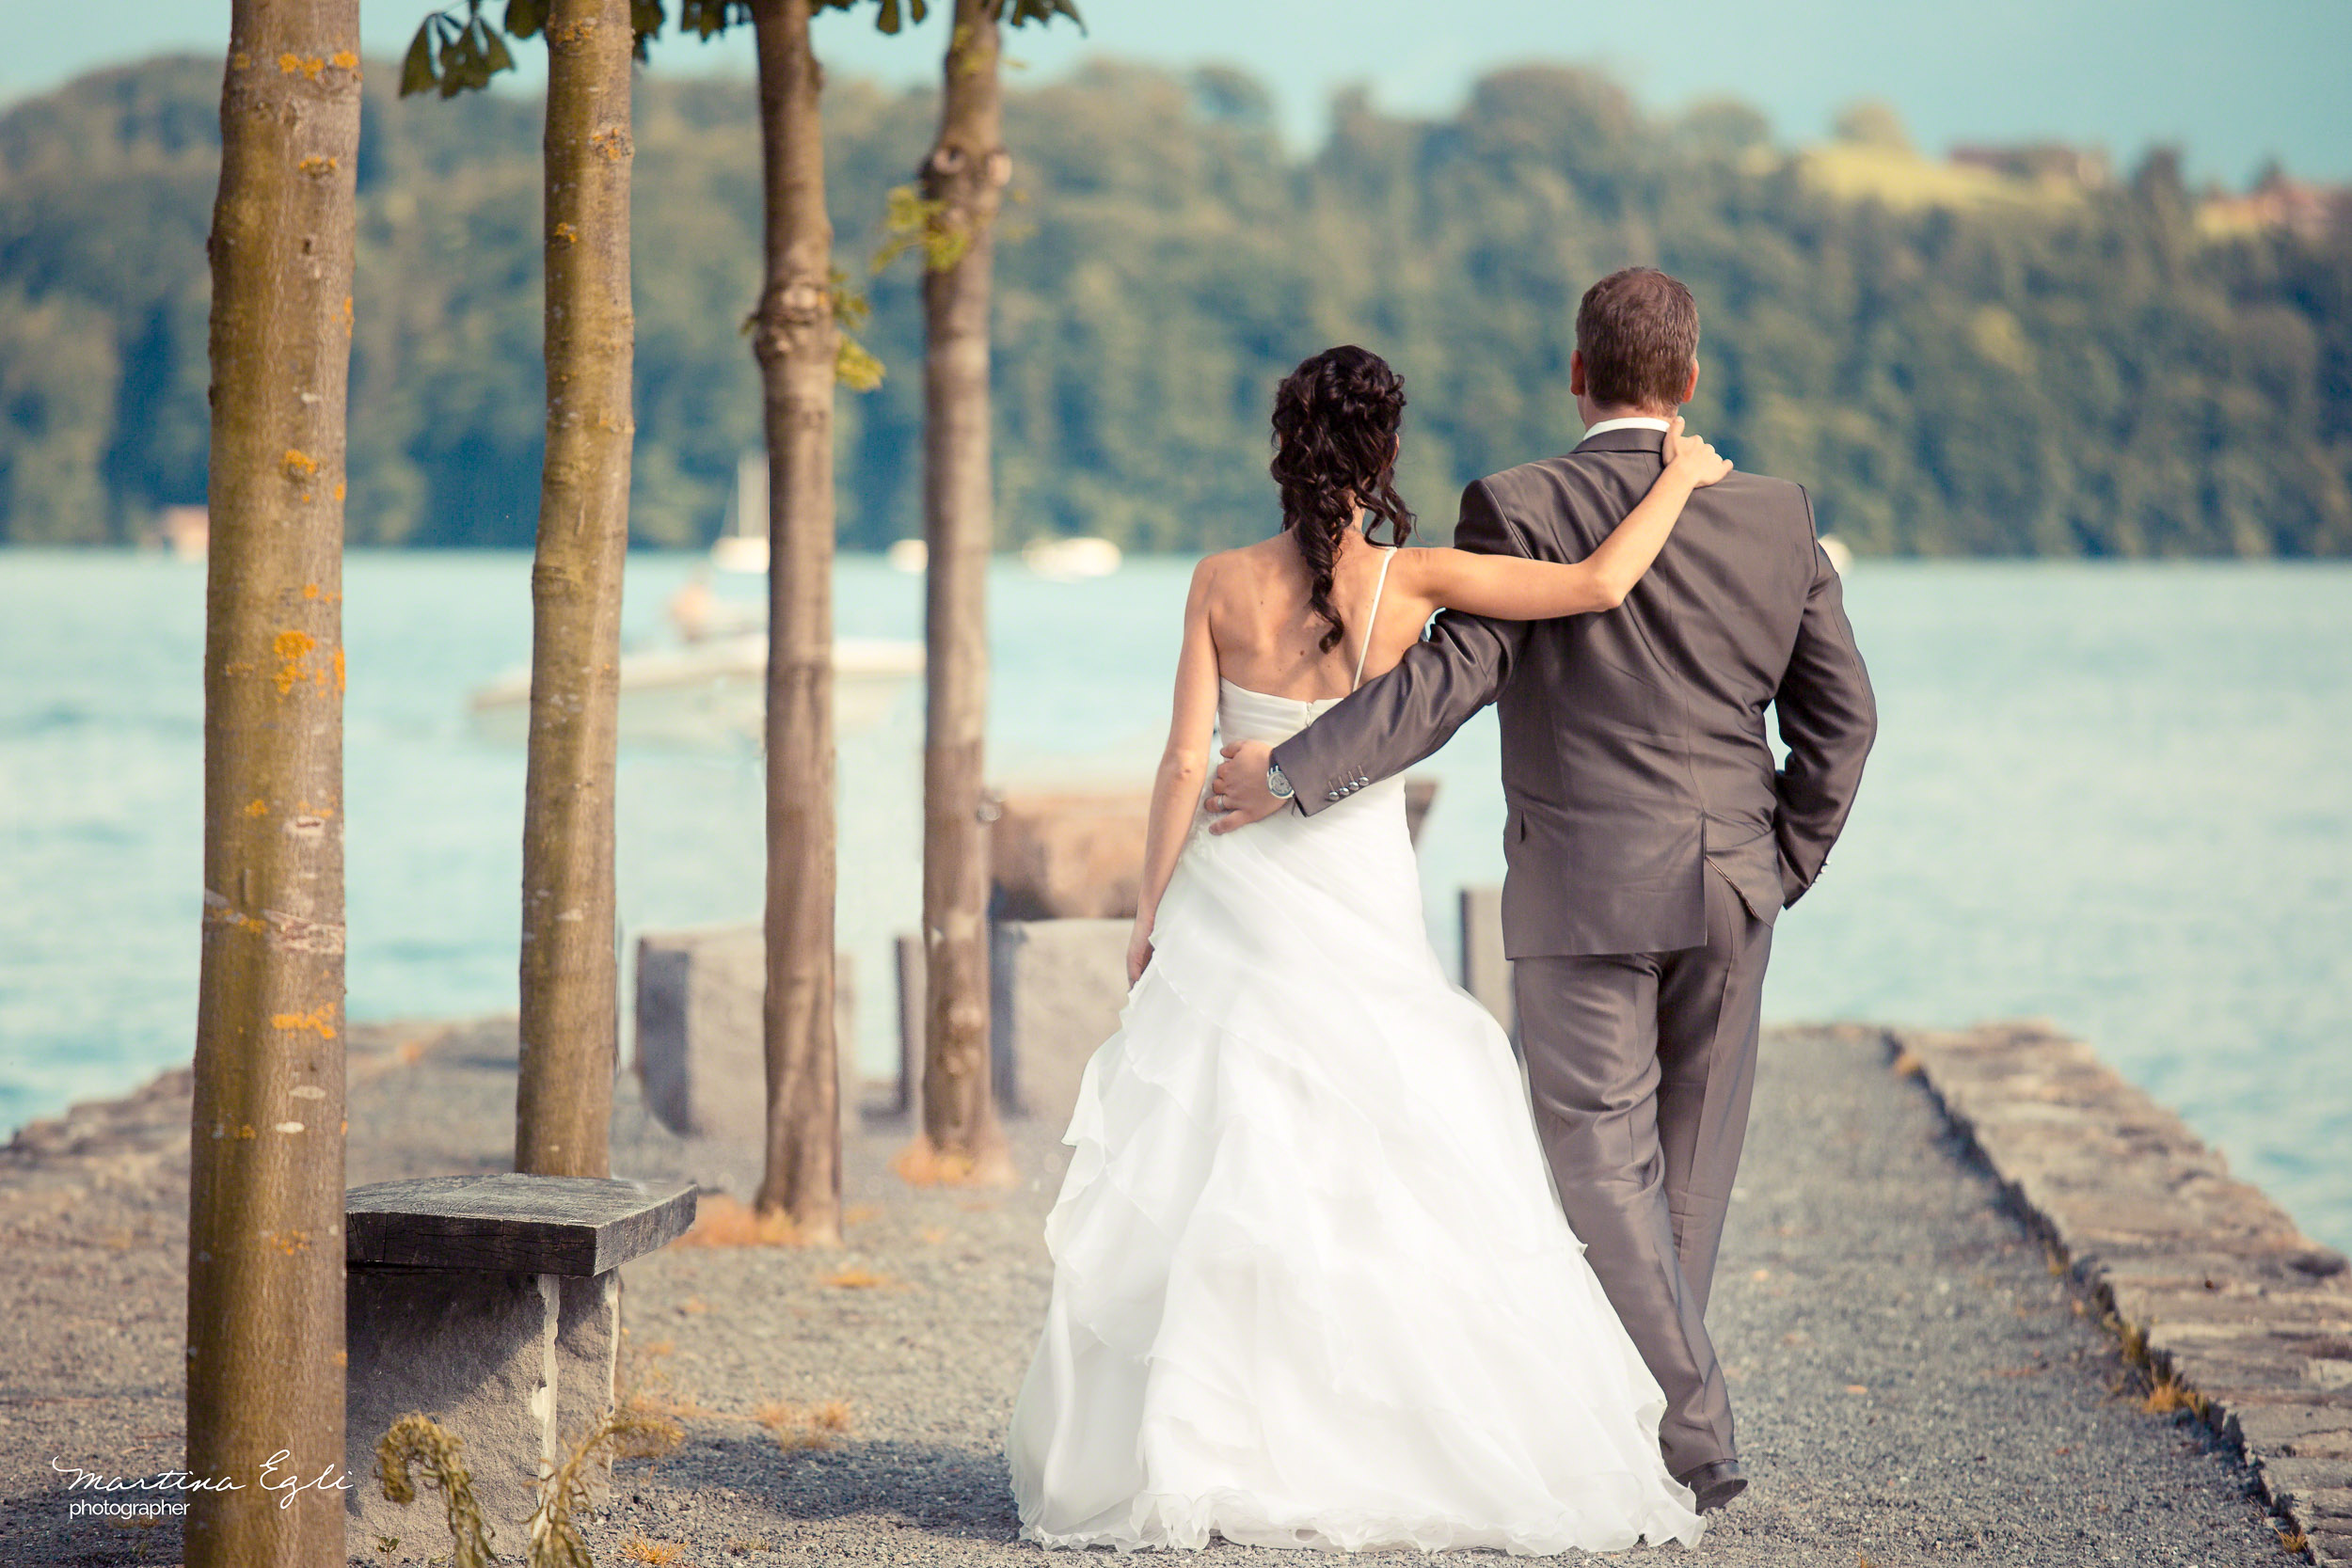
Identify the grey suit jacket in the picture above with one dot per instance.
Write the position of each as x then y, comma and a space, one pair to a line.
1634, 753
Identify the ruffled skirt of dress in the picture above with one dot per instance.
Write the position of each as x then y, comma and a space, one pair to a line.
1312, 1286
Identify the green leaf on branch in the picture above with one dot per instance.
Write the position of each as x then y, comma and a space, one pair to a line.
912, 220
706, 19
1041, 11
525, 18
646, 18
853, 365
416, 71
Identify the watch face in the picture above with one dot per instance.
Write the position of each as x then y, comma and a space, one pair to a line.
1276, 782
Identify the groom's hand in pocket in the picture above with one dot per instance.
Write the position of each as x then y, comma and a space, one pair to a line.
1238, 795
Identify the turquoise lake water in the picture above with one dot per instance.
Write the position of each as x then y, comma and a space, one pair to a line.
2119, 797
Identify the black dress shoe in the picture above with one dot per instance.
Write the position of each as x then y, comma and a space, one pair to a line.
1716, 1483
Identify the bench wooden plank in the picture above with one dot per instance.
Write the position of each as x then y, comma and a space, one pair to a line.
564, 1225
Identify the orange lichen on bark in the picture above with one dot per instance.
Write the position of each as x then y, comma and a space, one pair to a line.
320, 1019
299, 464
256, 807
290, 63
318, 164
291, 648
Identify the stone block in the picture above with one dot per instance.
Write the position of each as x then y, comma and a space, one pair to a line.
1067, 856
1486, 973
701, 1040
1057, 987
1420, 795
912, 986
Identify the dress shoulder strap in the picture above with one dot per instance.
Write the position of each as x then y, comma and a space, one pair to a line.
1372, 616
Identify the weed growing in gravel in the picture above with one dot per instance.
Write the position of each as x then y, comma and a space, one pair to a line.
638, 1549
555, 1540
417, 1438
816, 1426
623, 1432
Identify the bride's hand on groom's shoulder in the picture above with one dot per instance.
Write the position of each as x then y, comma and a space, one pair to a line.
1238, 793
1690, 454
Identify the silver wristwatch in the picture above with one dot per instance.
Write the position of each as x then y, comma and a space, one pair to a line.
1276, 784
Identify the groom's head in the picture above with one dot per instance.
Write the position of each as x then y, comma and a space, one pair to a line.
1637, 342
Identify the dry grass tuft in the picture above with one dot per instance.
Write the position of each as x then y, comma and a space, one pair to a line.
2294, 1541
2164, 1396
814, 1426
646, 1388
921, 1164
1908, 1065
859, 1280
861, 1213
723, 1221
638, 1549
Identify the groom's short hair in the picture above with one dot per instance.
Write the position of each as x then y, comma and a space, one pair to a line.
1639, 332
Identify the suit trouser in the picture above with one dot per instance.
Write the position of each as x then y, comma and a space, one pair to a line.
1641, 1067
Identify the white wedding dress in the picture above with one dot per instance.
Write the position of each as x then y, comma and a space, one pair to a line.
1311, 1286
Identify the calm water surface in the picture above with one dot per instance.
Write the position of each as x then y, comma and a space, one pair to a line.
2117, 797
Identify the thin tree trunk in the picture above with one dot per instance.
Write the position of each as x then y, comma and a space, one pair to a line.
965, 171
265, 1189
564, 1101
796, 342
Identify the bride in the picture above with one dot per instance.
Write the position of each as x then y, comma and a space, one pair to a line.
1312, 1286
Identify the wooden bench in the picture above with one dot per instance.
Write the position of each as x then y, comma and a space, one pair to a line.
493, 1304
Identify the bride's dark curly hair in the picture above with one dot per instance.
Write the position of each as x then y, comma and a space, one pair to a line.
1335, 439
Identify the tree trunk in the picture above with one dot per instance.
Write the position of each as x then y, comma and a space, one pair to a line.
966, 173
265, 1189
795, 342
570, 1021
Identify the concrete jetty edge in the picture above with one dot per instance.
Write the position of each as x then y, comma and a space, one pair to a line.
2208, 1283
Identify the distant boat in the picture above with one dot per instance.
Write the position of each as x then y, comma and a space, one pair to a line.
1071, 559
742, 542
715, 692
909, 556
1840, 557
185, 530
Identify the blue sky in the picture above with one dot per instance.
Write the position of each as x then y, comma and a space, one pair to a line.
2233, 84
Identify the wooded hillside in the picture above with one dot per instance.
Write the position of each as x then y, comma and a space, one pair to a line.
1981, 365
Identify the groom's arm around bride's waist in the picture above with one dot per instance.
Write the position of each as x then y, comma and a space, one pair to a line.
1828, 719
1401, 717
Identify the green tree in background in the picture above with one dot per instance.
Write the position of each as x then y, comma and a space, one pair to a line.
2002, 367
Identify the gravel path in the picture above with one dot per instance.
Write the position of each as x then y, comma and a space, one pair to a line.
1913, 1384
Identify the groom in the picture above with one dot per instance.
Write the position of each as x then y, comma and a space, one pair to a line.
1650, 838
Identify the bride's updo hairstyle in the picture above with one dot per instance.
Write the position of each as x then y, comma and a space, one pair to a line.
1335, 436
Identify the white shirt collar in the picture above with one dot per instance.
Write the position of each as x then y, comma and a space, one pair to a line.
1636, 421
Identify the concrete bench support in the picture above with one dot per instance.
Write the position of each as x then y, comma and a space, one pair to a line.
1486, 973
493, 1304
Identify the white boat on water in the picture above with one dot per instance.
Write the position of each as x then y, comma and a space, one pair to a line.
715, 692
742, 542
1071, 559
